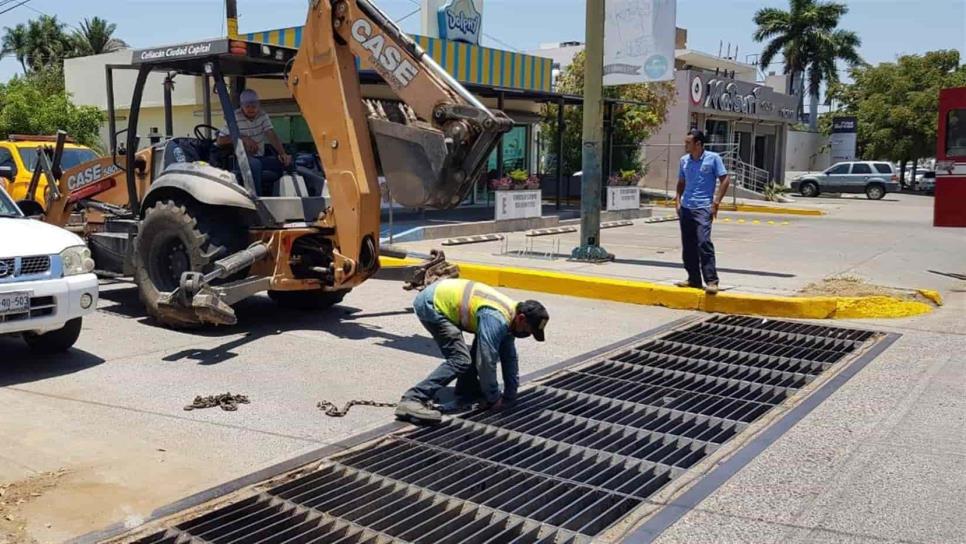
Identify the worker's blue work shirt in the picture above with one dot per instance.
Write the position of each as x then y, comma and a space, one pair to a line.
700, 177
495, 344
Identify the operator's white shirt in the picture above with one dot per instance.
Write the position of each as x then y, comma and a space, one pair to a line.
256, 129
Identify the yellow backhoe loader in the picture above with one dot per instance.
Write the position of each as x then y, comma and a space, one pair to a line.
197, 234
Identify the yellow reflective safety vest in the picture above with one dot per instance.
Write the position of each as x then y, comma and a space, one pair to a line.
459, 300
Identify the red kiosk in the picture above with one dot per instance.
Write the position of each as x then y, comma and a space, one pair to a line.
950, 205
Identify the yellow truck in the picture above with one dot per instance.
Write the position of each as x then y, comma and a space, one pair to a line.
18, 156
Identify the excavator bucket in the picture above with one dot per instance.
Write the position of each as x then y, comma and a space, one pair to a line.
417, 165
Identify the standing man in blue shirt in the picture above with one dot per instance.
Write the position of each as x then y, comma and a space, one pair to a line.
697, 204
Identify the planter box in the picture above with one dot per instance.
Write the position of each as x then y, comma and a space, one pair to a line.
624, 198
518, 204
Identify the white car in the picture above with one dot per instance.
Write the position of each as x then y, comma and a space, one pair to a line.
47, 283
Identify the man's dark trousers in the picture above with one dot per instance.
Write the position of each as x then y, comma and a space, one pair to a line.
696, 246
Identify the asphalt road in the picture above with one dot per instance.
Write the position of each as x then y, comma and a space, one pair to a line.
880, 461
111, 412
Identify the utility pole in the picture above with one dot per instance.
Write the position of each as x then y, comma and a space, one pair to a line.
231, 12
590, 249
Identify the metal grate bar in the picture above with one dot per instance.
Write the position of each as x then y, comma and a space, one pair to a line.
754, 374
752, 341
618, 412
659, 448
788, 364
728, 387
668, 397
489, 484
786, 336
793, 327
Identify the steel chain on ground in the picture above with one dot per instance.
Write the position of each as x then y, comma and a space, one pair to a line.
332, 410
226, 401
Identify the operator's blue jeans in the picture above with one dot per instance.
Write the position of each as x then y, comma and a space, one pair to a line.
458, 364
696, 247
263, 167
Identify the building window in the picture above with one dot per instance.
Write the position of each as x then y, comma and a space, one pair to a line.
516, 151
716, 131
956, 133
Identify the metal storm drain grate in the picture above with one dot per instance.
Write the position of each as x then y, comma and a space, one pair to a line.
577, 453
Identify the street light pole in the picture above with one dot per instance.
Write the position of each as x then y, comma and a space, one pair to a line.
590, 249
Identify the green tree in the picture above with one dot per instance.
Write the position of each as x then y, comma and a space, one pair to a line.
35, 105
895, 104
810, 43
632, 123
47, 42
15, 43
96, 36
44, 42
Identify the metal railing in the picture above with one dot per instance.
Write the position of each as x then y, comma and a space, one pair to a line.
744, 175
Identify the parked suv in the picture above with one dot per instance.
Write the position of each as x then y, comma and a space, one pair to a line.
46, 281
873, 178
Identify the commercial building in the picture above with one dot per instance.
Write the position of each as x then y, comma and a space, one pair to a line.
745, 119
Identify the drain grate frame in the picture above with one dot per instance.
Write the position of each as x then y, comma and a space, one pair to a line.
582, 449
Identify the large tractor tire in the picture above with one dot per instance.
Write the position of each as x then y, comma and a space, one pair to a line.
177, 237
315, 299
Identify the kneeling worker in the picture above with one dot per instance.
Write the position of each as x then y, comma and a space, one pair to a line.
449, 307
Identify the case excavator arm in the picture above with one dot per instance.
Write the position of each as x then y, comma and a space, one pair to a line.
432, 148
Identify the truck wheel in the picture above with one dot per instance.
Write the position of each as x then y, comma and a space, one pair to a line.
56, 341
315, 299
875, 191
177, 237
809, 189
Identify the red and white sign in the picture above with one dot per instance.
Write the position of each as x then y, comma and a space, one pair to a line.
697, 90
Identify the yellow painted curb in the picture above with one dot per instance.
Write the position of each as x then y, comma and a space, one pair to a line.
668, 296
934, 296
754, 208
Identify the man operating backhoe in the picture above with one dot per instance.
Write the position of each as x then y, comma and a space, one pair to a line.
449, 307
256, 130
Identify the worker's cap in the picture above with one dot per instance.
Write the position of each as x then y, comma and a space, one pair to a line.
248, 97
536, 316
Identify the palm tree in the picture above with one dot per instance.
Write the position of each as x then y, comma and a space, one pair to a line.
95, 36
810, 43
47, 43
15, 43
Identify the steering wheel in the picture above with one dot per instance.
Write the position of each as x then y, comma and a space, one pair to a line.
201, 135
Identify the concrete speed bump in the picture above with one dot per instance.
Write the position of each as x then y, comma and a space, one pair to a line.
669, 296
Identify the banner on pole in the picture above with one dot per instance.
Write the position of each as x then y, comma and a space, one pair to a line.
639, 37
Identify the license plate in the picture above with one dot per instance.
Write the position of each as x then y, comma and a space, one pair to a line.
14, 303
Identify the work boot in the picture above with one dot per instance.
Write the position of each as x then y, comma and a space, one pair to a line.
686, 284
712, 288
417, 412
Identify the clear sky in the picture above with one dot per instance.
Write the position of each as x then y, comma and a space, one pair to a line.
887, 27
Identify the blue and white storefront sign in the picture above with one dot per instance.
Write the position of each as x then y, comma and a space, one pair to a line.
459, 20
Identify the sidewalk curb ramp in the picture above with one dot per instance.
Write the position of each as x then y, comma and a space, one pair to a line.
755, 208
669, 296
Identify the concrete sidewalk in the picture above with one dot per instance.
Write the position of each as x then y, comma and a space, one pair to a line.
889, 242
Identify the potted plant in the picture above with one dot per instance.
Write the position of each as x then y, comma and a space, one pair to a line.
623, 178
622, 190
518, 195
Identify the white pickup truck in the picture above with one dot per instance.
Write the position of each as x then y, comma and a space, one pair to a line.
46, 281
